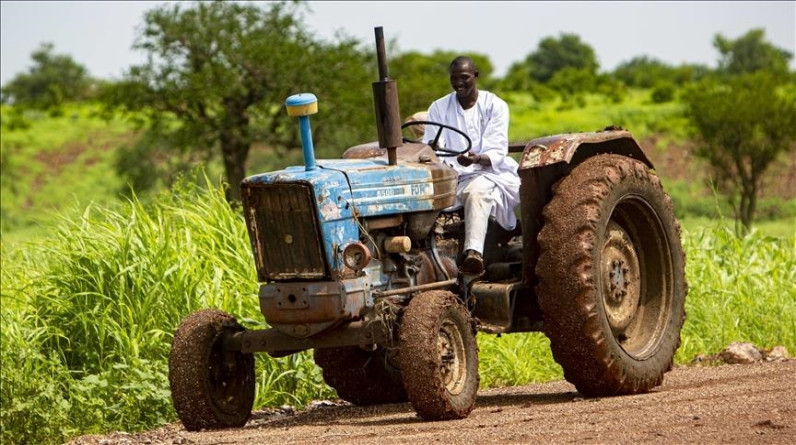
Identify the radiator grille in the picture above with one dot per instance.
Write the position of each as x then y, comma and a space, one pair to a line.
284, 233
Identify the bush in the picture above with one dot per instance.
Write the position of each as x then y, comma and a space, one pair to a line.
663, 92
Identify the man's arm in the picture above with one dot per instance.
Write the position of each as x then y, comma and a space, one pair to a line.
495, 140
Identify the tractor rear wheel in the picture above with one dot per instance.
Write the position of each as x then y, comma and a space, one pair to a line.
361, 377
211, 387
611, 277
439, 356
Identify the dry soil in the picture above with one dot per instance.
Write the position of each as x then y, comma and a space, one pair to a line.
723, 404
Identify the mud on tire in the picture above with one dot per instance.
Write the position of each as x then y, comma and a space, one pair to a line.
611, 277
361, 377
211, 388
439, 356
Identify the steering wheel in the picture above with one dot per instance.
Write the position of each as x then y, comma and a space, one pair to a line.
442, 152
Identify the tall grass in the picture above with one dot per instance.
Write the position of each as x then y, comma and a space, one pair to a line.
740, 288
88, 313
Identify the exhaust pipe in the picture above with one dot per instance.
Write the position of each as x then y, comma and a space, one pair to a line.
385, 98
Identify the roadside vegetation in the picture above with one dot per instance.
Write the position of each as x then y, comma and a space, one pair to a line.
116, 224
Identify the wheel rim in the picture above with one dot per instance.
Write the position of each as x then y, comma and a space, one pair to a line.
225, 377
621, 284
636, 277
452, 354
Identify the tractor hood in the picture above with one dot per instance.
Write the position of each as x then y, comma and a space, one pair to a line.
295, 212
369, 188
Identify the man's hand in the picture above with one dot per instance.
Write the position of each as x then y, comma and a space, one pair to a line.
470, 159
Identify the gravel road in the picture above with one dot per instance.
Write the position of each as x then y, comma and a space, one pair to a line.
723, 404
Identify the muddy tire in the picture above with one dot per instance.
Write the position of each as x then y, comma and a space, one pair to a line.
361, 377
439, 356
211, 388
611, 277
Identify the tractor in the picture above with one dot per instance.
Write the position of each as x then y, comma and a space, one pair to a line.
357, 260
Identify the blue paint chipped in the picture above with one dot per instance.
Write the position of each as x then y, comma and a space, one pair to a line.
365, 188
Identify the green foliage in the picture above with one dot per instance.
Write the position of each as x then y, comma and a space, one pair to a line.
691, 199
219, 73
88, 315
54, 161
516, 359
423, 79
740, 289
570, 80
751, 53
743, 125
555, 54
663, 92
531, 118
647, 72
52, 80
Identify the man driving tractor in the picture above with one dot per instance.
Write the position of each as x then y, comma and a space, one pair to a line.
488, 182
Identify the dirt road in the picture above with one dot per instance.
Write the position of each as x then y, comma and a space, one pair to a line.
726, 404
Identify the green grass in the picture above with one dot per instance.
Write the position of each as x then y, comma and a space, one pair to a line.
88, 314
55, 162
593, 112
740, 289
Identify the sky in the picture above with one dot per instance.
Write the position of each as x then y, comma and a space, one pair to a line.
100, 34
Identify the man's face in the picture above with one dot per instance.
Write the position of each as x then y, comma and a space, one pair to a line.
463, 79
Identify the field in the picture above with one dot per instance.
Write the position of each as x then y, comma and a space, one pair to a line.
94, 283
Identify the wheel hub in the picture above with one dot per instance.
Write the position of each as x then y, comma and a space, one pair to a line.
452, 357
620, 279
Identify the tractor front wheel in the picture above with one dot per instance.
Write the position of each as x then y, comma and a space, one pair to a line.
439, 356
211, 387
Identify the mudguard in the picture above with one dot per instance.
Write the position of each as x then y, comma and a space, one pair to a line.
575, 147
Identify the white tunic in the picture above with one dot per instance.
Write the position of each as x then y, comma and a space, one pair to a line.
487, 124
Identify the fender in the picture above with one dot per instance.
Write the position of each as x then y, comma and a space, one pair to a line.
574, 148
544, 161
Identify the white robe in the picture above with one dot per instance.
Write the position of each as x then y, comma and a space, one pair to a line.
487, 124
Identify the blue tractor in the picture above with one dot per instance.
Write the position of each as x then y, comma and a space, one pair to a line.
357, 260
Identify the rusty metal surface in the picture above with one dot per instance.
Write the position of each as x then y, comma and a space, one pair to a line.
429, 272
445, 180
494, 305
383, 222
420, 288
305, 308
284, 232
365, 151
278, 343
409, 152
573, 147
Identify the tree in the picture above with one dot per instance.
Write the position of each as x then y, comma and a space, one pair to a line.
647, 72
751, 53
556, 54
743, 125
53, 79
218, 73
